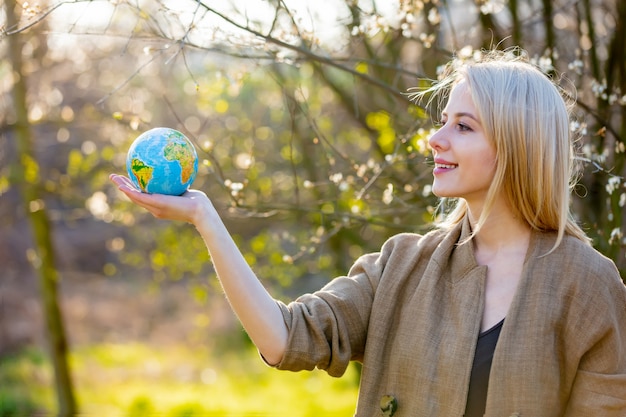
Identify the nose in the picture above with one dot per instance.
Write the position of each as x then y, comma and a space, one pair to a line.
437, 141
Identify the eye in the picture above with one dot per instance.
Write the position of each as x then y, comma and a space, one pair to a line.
463, 127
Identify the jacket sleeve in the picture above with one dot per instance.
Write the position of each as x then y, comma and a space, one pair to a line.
328, 329
599, 388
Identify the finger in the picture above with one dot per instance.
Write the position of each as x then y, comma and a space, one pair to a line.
120, 180
125, 185
148, 201
128, 188
159, 205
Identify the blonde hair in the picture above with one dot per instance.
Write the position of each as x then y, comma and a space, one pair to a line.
527, 119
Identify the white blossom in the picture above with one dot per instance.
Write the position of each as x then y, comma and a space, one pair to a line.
336, 178
616, 234
612, 184
388, 194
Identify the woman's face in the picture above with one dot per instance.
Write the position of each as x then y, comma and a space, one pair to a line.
465, 160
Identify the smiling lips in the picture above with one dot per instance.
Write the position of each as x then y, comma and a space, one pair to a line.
446, 166
443, 166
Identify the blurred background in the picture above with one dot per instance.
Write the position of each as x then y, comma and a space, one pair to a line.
309, 147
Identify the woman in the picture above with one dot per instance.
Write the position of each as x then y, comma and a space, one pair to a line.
504, 310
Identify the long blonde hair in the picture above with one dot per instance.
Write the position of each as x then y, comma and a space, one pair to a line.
527, 119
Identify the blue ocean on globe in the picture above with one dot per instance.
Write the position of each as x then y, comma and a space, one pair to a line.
162, 161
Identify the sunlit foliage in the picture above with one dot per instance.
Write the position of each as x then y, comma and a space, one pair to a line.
300, 114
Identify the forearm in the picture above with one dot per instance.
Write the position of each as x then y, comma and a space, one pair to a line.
253, 305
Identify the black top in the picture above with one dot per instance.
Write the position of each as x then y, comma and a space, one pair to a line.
479, 379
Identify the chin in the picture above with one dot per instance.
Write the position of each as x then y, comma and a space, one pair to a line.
442, 193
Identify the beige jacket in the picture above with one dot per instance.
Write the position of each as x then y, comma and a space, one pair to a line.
412, 312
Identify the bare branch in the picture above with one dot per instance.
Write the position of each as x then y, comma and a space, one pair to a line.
306, 52
39, 18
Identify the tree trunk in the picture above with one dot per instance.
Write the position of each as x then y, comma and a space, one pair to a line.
26, 175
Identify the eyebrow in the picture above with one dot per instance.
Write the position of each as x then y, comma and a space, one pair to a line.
461, 114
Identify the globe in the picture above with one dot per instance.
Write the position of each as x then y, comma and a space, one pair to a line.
162, 161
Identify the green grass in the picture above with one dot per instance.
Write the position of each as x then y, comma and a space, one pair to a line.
135, 380
23, 383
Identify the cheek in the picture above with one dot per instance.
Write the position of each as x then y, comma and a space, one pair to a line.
487, 162
488, 155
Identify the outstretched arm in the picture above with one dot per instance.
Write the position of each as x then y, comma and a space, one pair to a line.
253, 305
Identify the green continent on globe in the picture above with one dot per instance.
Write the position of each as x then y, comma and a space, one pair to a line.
180, 152
142, 172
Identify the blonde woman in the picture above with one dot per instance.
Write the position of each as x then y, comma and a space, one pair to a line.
504, 310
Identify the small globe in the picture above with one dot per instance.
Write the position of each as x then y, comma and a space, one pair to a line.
162, 161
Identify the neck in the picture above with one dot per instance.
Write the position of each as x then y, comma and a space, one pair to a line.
502, 232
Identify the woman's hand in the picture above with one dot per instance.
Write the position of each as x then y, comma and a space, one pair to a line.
188, 207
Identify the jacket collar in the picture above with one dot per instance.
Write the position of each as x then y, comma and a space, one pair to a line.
455, 253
